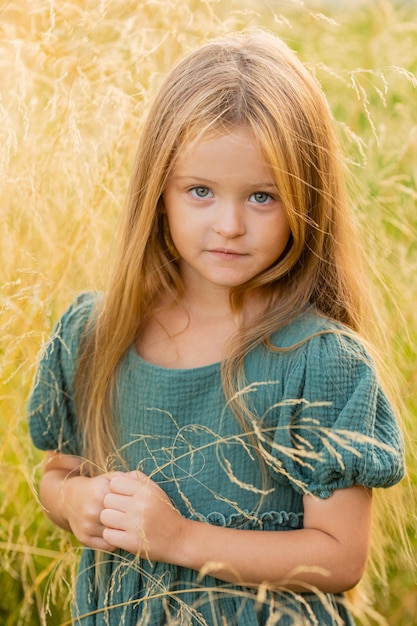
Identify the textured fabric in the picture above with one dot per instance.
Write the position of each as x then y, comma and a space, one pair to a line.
323, 423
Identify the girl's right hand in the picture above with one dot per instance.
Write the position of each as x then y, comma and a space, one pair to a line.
74, 501
81, 506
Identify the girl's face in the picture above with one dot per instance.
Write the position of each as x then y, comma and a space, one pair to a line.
224, 211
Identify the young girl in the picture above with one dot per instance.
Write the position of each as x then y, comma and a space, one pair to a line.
214, 425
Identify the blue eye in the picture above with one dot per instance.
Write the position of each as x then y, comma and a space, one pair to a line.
260, 197
200, 192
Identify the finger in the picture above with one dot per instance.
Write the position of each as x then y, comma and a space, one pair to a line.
123, 485
93, 538
124, 541
98, 543
115, 537
111, 518
116, 501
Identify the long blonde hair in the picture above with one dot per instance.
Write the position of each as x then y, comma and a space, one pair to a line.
253, 81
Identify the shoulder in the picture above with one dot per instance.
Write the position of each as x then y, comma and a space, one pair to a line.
73, 322
312, 336
301, 328
81, 308
312, 356
320, 358
63, 345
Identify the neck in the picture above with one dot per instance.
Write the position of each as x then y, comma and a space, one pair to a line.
213, 303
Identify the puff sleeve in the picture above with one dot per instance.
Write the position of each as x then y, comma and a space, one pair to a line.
51, 414
337, 426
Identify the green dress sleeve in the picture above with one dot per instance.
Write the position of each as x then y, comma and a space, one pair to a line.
337, 428
51, 413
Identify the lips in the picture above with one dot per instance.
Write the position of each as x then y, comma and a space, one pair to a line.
226, 253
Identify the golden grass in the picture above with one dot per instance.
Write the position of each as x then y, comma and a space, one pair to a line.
76, 77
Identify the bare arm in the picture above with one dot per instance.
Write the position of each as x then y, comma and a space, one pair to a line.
329, 553
74, 501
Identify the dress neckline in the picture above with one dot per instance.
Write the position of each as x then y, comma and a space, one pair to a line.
201, 369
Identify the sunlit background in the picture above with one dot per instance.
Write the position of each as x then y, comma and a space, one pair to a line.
75, 79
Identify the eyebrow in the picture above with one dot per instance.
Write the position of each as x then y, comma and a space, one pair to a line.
209, 181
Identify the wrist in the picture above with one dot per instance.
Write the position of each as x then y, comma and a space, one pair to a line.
189, 546
65, 506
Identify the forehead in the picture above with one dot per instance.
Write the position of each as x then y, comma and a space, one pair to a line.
222, 153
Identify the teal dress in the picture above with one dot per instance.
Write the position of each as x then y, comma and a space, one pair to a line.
323, 423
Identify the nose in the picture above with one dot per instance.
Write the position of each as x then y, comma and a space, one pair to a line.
229, 220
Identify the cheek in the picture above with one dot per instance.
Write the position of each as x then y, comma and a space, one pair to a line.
285, 248
182, 232
278, 235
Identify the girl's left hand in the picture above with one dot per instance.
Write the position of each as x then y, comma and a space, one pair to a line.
139, 517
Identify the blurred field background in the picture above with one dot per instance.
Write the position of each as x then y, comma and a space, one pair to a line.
75, 79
